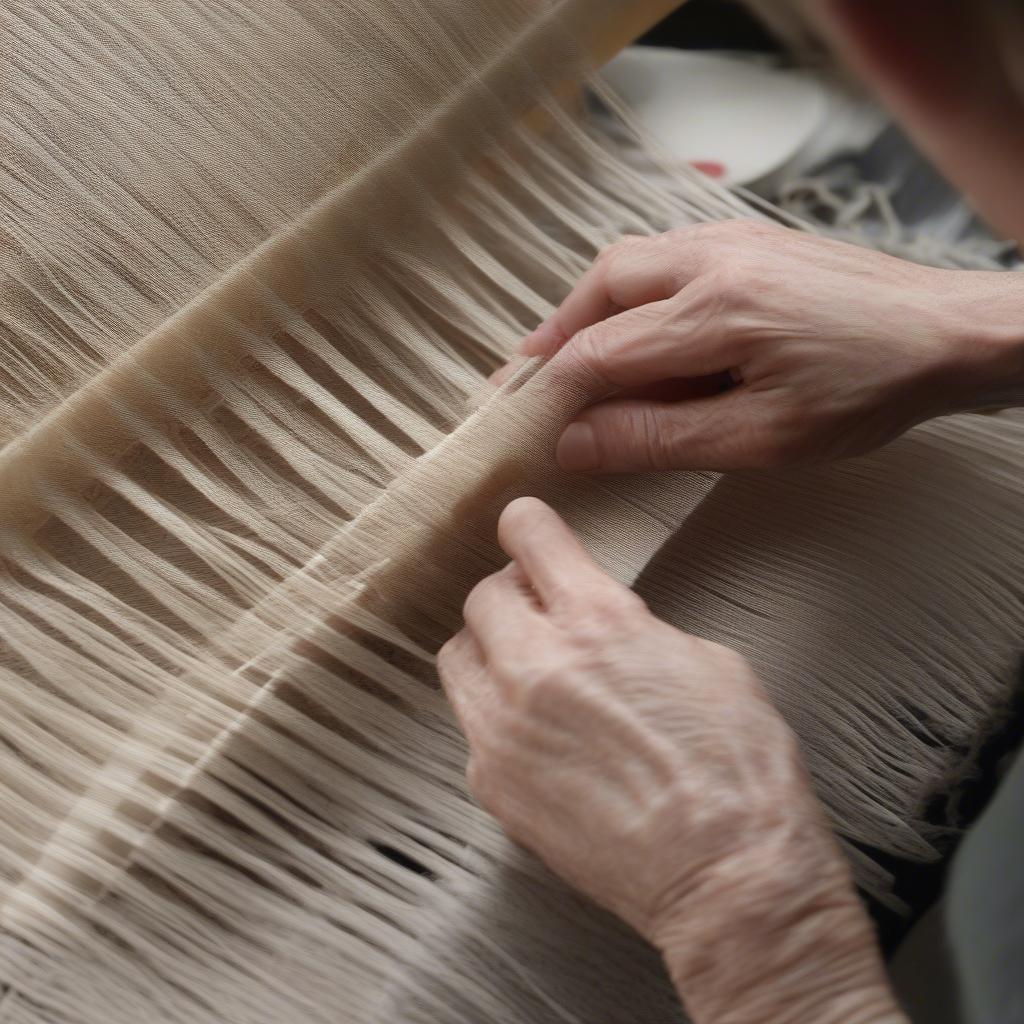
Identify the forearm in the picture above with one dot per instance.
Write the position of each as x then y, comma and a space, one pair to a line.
791, 945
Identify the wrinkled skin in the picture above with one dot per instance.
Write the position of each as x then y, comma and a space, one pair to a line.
780, 348
621, 733
649, 770
644, 766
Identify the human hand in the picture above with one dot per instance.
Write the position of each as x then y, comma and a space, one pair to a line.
742, 344
648, 769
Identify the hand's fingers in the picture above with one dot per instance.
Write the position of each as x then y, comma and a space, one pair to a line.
656, 342
625, 436
463, 671
553, 560
502, 613
630, 273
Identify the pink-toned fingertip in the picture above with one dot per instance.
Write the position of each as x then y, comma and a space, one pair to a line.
529, 346
540, 341
504, 373
499, 376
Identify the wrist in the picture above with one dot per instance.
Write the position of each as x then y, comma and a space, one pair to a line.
776, 936
984, 332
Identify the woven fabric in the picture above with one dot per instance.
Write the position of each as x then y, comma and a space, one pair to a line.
257, 262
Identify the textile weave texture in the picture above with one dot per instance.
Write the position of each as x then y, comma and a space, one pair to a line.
256, 262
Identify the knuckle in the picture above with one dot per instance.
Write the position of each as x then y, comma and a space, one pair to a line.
727, 282
717, 236
590, 349
613, 598
472, 602
555, 683
627, 243
561, 593
728, 240
607, 612
512, 672
478, 597
445, 656
630, 603
645, 434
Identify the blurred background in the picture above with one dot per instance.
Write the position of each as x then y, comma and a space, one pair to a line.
744, 92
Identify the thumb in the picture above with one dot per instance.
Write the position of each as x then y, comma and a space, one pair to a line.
630, 435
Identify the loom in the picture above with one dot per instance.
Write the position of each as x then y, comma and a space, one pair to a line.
257, 263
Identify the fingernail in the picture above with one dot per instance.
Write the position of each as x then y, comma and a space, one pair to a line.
531, 344
507, 372
501, 374
577, 448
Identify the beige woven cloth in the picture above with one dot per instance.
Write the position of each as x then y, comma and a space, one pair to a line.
257, 260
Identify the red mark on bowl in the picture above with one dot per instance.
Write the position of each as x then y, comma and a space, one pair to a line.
712, 168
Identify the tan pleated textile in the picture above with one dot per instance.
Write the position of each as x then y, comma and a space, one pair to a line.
257, 260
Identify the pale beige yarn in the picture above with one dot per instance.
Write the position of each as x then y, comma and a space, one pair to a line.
257, 259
